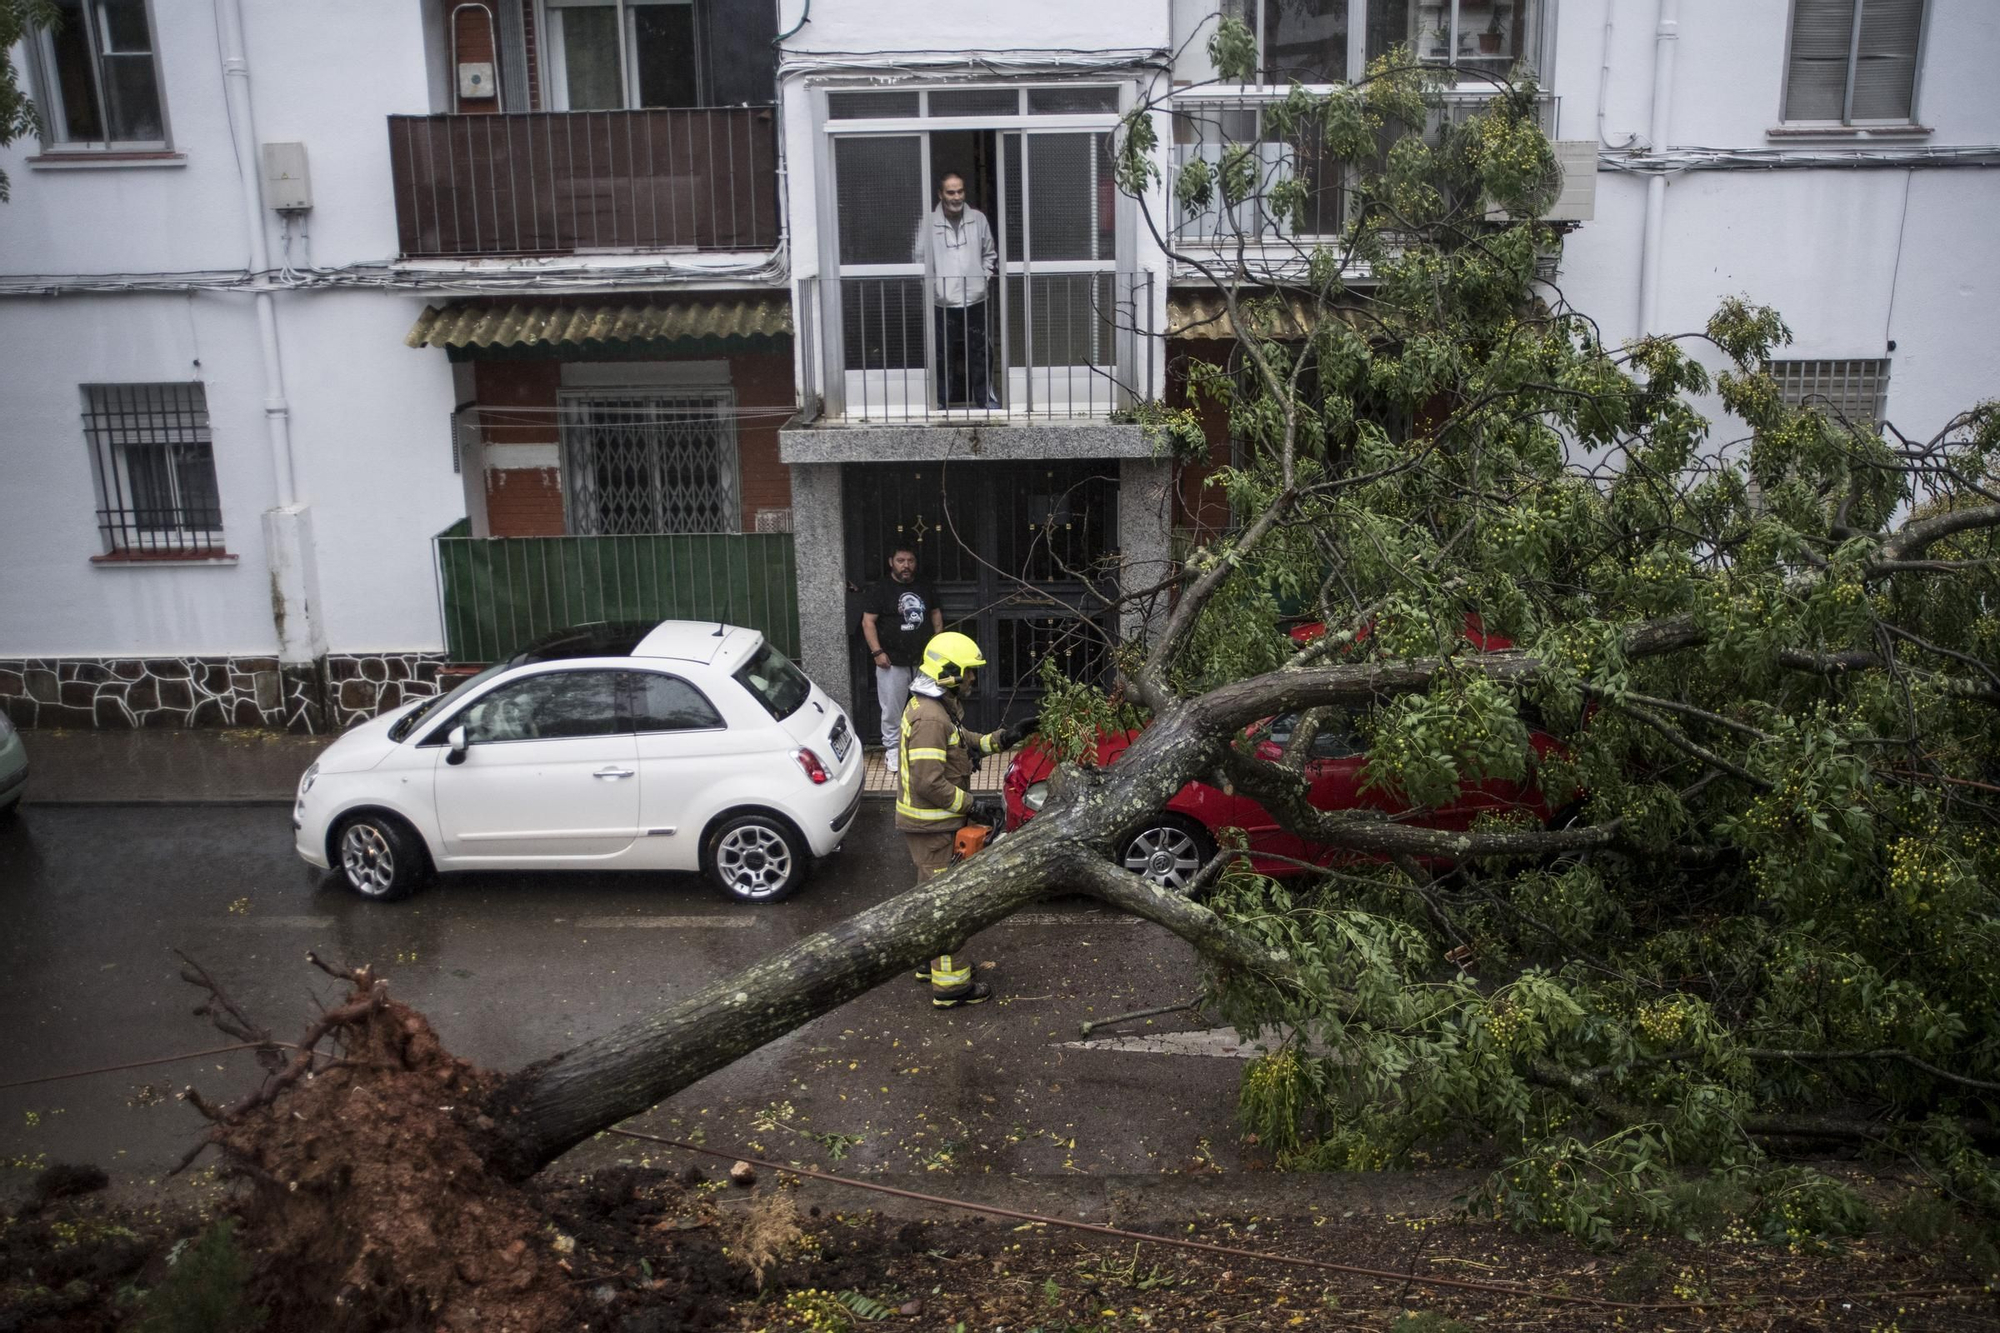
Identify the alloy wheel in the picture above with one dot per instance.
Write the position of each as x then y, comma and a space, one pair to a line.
1164, 854
367, 859
754, 861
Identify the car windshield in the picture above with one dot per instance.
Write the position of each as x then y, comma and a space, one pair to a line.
407, 723
778, 685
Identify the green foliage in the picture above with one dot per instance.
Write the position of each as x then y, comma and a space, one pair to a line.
1075, 714
1799, 862
206, 1290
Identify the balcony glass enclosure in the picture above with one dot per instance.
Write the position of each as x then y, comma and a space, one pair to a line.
1024, 303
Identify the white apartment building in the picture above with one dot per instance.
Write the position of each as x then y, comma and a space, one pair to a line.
343, 344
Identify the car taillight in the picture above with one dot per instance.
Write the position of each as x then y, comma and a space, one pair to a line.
814, 769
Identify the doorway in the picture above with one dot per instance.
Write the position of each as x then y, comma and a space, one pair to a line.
1015, 552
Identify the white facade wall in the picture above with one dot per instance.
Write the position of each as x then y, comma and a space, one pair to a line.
1854, 259
369, 417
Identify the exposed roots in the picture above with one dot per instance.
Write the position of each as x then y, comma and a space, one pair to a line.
370, 1204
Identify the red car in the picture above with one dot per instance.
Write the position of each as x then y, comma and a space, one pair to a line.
1170, 848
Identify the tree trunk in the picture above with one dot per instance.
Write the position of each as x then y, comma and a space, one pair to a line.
550, 1107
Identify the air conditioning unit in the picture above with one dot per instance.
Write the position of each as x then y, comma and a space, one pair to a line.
1576, 201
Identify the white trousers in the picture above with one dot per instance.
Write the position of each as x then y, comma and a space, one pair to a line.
892, 689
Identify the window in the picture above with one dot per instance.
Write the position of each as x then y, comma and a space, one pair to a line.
155, 467
1853, 391
650, 461
668, 703
624, 53
557, 705
775, 683
1332, 41
1853, 61
100, 79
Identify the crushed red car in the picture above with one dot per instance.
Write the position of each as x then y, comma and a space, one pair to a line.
1169, 848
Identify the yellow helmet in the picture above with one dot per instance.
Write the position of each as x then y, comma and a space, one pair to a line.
948, 656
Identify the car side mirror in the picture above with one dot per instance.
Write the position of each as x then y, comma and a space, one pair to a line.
456, 740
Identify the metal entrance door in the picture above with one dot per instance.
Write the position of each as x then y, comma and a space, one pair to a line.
1013, 549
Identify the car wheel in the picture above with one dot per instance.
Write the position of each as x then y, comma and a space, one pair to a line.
380, 857
755, 859
1169, 851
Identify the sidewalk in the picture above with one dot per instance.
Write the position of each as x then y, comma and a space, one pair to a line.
238, 767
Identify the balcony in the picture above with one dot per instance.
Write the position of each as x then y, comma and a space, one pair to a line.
564, 182
1046, 346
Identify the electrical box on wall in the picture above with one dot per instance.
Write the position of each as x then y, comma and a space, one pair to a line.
475, 79
287, 186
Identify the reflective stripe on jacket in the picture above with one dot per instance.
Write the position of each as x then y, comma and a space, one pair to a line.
939, 758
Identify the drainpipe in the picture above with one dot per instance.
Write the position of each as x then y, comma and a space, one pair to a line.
1666, 38
288, 526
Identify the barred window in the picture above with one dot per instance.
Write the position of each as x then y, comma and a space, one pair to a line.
650, 461
155, 465
1853, 391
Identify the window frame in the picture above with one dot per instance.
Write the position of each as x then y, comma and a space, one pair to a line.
1541, 59
555, 61
109, 428
440, 734
629, 700
43, 64
1808, 373
1847, 121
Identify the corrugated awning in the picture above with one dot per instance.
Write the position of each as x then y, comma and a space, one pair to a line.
741, 323
1204, 314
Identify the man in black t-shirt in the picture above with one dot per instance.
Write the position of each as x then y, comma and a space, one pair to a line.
898, 617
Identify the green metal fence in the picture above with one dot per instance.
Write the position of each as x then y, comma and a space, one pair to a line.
497, 593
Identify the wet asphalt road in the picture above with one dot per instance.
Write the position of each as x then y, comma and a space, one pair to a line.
513, 967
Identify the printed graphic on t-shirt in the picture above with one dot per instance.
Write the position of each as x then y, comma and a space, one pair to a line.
910, 608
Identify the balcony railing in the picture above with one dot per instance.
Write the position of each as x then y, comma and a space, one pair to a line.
1029, 345
497, 593
562, 181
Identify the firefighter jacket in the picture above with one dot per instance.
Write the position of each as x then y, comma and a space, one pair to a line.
939, 759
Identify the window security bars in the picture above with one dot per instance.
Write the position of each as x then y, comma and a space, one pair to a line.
560, 182
1854, 391
642, 461
155, 466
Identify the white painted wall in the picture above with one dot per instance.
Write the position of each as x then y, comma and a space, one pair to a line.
326, 75
1853, 259
917, 26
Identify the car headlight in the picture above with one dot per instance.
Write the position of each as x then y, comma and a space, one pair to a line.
1036, 796
306, 782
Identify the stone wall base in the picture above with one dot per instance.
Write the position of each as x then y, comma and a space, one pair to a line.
126, 693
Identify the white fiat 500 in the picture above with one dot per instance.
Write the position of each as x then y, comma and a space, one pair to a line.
680, 746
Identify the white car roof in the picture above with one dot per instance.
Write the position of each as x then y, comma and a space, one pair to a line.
688, 640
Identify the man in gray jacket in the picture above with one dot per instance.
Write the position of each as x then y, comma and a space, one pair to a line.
955, 246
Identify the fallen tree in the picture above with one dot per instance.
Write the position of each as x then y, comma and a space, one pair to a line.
1767, 918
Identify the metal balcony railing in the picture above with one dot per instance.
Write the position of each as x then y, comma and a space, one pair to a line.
1027, 345
557, 182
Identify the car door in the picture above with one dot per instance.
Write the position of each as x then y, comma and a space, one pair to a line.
549, 773
684, 747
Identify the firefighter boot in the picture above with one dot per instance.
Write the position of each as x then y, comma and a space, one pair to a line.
952, 984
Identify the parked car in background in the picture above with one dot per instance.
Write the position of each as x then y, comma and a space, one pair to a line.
1169, 848
680, 746
13, 767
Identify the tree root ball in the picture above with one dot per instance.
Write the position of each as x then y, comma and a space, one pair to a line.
371, 1203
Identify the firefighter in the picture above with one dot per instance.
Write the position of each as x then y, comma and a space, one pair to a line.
939, 758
